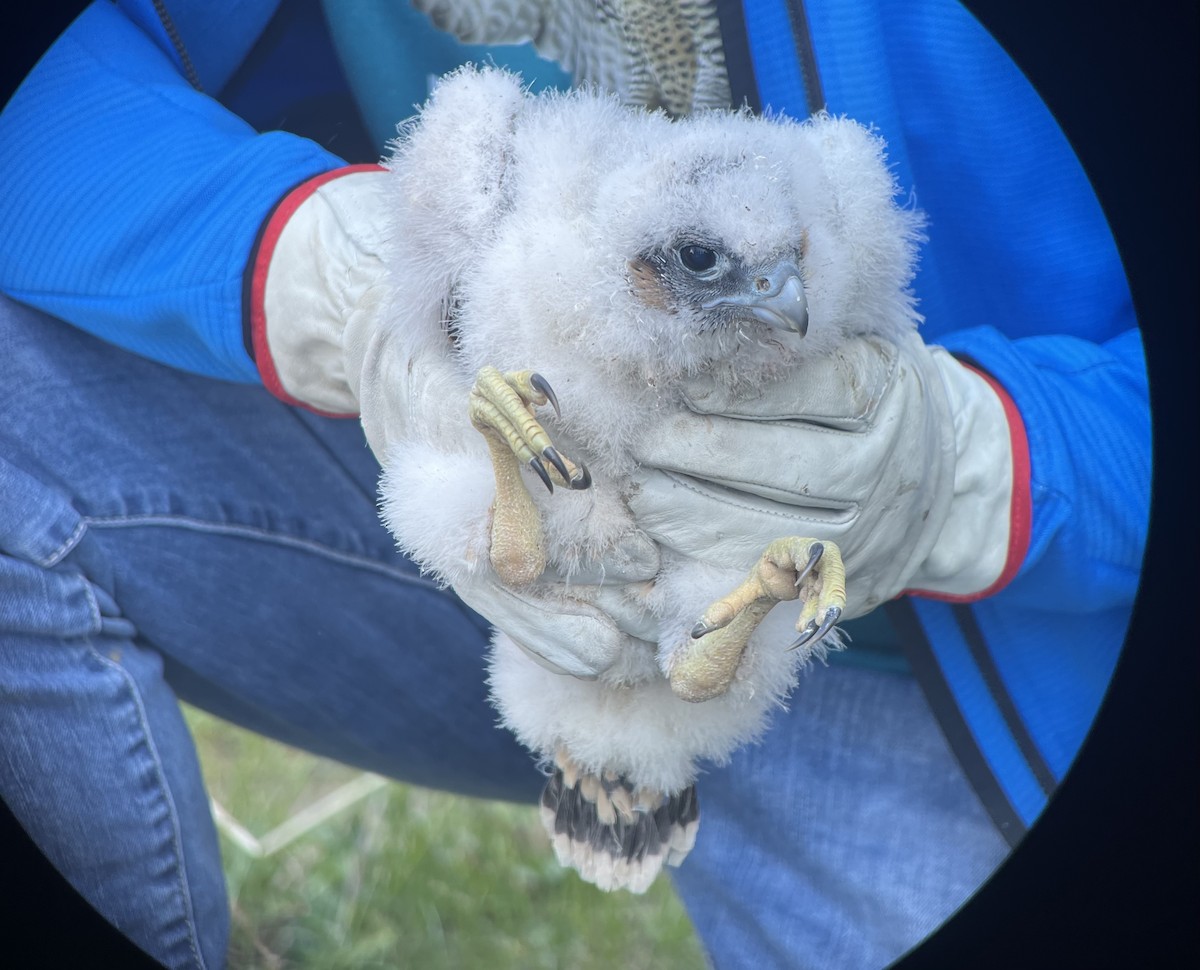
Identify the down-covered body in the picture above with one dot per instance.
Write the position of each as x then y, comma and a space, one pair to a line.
620, 254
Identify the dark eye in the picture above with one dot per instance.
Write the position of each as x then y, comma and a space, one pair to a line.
698, 259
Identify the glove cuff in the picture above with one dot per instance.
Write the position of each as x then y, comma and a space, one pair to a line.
986, 534
315, 257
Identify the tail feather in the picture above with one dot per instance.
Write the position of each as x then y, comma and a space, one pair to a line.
614, 835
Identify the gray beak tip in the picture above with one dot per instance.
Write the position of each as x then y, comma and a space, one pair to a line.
782, 307
776, 300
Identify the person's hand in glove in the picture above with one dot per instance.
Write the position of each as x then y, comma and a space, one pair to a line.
915, 464
322, 339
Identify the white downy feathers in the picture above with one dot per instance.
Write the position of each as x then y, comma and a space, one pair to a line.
518, 230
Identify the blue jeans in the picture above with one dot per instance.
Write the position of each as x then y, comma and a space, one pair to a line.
165, 536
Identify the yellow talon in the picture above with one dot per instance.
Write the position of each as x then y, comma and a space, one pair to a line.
704, 667
501, 408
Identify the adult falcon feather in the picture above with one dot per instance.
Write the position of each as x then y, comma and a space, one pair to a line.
577, 261
653, 53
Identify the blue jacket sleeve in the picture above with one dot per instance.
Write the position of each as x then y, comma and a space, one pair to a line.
130, 201
1086, 411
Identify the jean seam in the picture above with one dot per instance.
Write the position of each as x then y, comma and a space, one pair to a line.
57, 555
261, 535
176, 836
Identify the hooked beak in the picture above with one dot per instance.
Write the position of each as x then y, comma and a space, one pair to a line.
775, 299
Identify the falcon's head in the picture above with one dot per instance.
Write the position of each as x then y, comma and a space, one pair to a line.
734, 239
568, 225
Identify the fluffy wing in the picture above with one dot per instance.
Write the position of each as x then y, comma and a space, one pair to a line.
657, 53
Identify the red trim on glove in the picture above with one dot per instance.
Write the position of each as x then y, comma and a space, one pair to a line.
258, 281
1020, 522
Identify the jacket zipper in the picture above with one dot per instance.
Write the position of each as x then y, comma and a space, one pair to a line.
802, 37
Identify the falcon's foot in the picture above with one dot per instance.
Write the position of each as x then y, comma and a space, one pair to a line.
614, 835
502, 409
789, 568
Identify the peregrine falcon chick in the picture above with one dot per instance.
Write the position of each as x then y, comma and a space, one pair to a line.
574, 261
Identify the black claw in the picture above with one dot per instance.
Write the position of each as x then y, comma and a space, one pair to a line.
700, 629
583, 481
832, 615
541, 384
815, 552
555, 459
542, 474
810, 631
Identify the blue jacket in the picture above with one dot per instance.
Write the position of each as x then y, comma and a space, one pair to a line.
134, 179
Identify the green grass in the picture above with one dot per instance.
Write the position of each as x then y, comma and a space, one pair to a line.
408, 877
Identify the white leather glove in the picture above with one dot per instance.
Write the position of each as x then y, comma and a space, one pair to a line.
915, 464
321, 340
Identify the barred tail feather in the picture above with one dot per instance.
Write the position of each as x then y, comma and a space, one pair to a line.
613, 835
